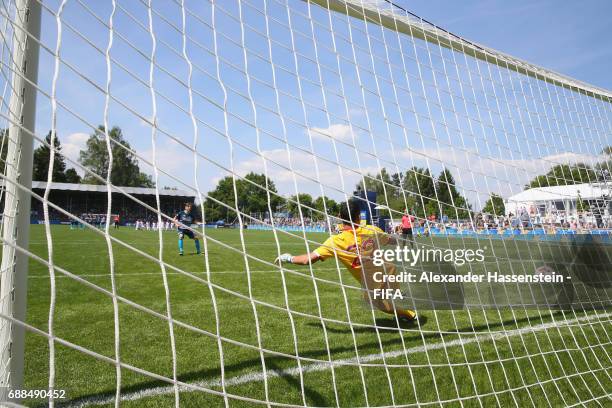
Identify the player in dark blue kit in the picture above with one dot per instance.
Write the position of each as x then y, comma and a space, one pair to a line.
183, 221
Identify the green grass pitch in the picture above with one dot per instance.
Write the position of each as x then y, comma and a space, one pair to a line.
460, 358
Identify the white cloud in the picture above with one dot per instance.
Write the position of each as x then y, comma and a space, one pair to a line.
331, 176
336, 131
476, 174
170, 157
72, 146
569, 158
479, 175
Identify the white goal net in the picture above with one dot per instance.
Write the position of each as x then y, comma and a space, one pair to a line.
319, 132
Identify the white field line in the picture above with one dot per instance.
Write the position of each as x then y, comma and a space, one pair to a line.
289, 372
89, 242
105, 275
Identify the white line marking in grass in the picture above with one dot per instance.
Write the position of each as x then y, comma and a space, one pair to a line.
259, 376
106, 275
236, 243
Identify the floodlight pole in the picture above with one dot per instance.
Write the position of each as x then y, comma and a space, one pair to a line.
18, 172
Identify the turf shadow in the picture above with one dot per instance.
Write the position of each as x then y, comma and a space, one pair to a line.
276, 362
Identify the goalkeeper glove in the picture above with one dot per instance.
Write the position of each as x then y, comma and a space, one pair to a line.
284, 258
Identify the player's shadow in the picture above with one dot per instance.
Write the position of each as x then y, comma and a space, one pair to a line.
507, 324
385, 325
276, 364
273, 365
313, 397
381, 323
390, 324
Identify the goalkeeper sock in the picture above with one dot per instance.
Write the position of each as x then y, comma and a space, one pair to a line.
197, 243
180, 245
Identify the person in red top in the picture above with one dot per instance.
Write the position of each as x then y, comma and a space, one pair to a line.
116, 221
407, 223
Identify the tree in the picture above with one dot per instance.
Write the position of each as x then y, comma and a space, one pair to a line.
305, 201
224, 193
494, 205
331, 205
380, 183
72, 176
125, 170
42, 158
396, 181
252, 197
564, 174
420, 185
603, 169
452, 203
41, 162
419, 181
388, 188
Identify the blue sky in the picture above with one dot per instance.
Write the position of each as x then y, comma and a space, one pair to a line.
570, 37
344, 98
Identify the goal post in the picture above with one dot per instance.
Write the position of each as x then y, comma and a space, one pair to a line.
17, 181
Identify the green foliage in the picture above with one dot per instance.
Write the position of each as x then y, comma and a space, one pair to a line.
331, 205
603, 169
420, 182
378, 182
42, 156
224, 192
418, 190
564, 174
72, 176
305, 201
41, 162
494, 205
125, 170
252, 197
388, 188
420, 185
452, 203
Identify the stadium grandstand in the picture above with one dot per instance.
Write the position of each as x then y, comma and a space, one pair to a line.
81, 199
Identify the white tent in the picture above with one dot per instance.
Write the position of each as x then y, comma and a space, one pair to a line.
568, 195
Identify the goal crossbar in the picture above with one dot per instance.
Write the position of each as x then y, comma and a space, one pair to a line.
417, 27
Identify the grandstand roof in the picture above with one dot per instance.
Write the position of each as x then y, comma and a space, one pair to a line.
558, 193
102, 189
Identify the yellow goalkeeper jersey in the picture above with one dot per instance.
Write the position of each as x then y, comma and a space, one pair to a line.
344, 246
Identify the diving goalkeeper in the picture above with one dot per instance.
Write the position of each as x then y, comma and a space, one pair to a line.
358, 262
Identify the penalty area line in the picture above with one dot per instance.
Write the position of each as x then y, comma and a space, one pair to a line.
295, 371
